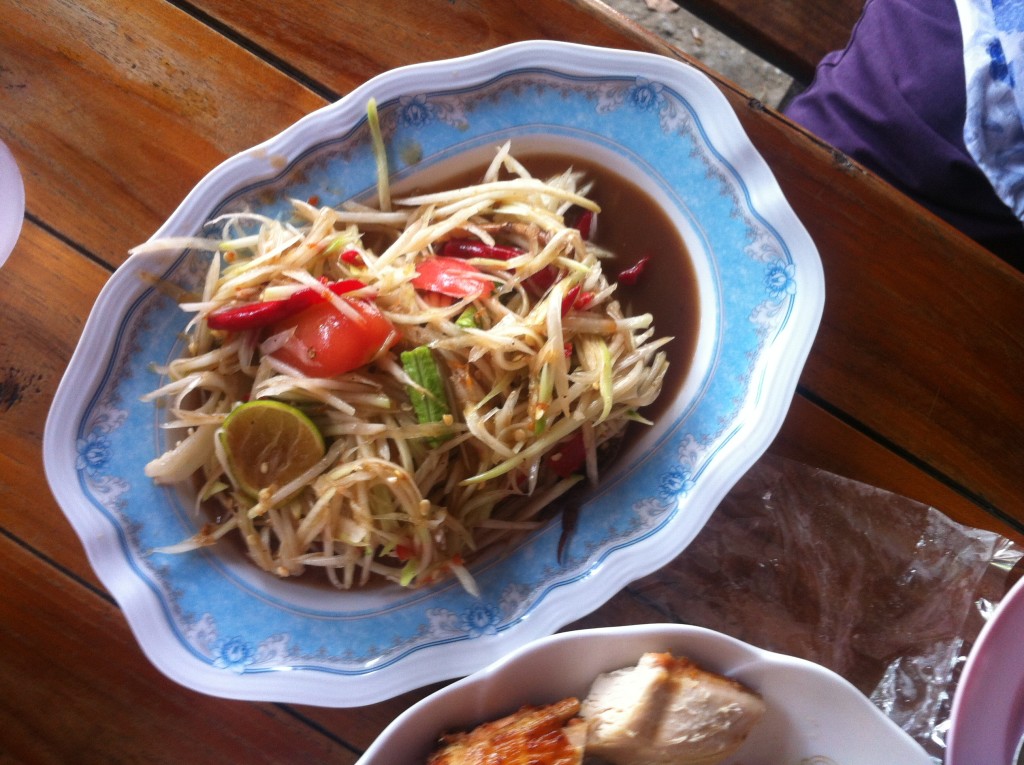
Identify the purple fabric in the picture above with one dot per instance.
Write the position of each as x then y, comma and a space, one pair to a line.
895, 101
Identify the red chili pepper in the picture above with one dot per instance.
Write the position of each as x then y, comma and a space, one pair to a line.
471, 248
585, 223
541, 281
630, 275
258, 315
576, 299
352, 257
569, 455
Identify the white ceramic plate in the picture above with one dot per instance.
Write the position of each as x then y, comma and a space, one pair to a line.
211, 620
814, 716
12, 202
987, 718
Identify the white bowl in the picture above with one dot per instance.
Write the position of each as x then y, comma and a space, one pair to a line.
12, 202
813, 715
212, 621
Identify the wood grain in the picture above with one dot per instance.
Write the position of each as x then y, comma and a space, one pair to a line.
48, 289
78, 689
814, 437
347, 50
115, 110
920, 342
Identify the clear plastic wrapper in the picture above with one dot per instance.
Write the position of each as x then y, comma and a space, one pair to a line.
885, 591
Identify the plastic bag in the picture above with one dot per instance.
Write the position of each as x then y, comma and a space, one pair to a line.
885, 591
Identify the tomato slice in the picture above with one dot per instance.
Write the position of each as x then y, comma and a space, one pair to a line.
452, 277
327, 343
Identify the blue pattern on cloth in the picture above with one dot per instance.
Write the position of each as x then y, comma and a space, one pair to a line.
993, 33
1008, 15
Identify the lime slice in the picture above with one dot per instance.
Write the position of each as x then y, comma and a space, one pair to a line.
268, 443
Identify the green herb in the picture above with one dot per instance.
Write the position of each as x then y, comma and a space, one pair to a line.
467, 319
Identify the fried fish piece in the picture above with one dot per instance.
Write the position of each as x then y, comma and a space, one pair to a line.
668, 711
545, 735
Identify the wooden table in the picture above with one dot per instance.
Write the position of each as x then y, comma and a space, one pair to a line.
115, 109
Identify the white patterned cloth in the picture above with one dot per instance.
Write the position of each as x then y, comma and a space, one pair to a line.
993, 32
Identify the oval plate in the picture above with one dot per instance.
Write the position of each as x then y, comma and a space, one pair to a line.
212, 621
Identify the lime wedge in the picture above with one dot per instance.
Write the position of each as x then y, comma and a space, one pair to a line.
268, 443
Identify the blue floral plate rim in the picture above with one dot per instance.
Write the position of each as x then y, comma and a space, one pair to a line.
270, 640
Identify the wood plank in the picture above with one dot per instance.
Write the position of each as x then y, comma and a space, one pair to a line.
347, 50
791, 34
920, 343
812, 436
113, 123
76, 688
41, 311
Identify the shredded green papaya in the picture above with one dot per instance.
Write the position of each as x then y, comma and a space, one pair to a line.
380, 155
442, 442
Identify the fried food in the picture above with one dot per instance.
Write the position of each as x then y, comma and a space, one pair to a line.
663, 711
668, 711
545, 735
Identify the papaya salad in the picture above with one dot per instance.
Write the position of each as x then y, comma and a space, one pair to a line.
388, 390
